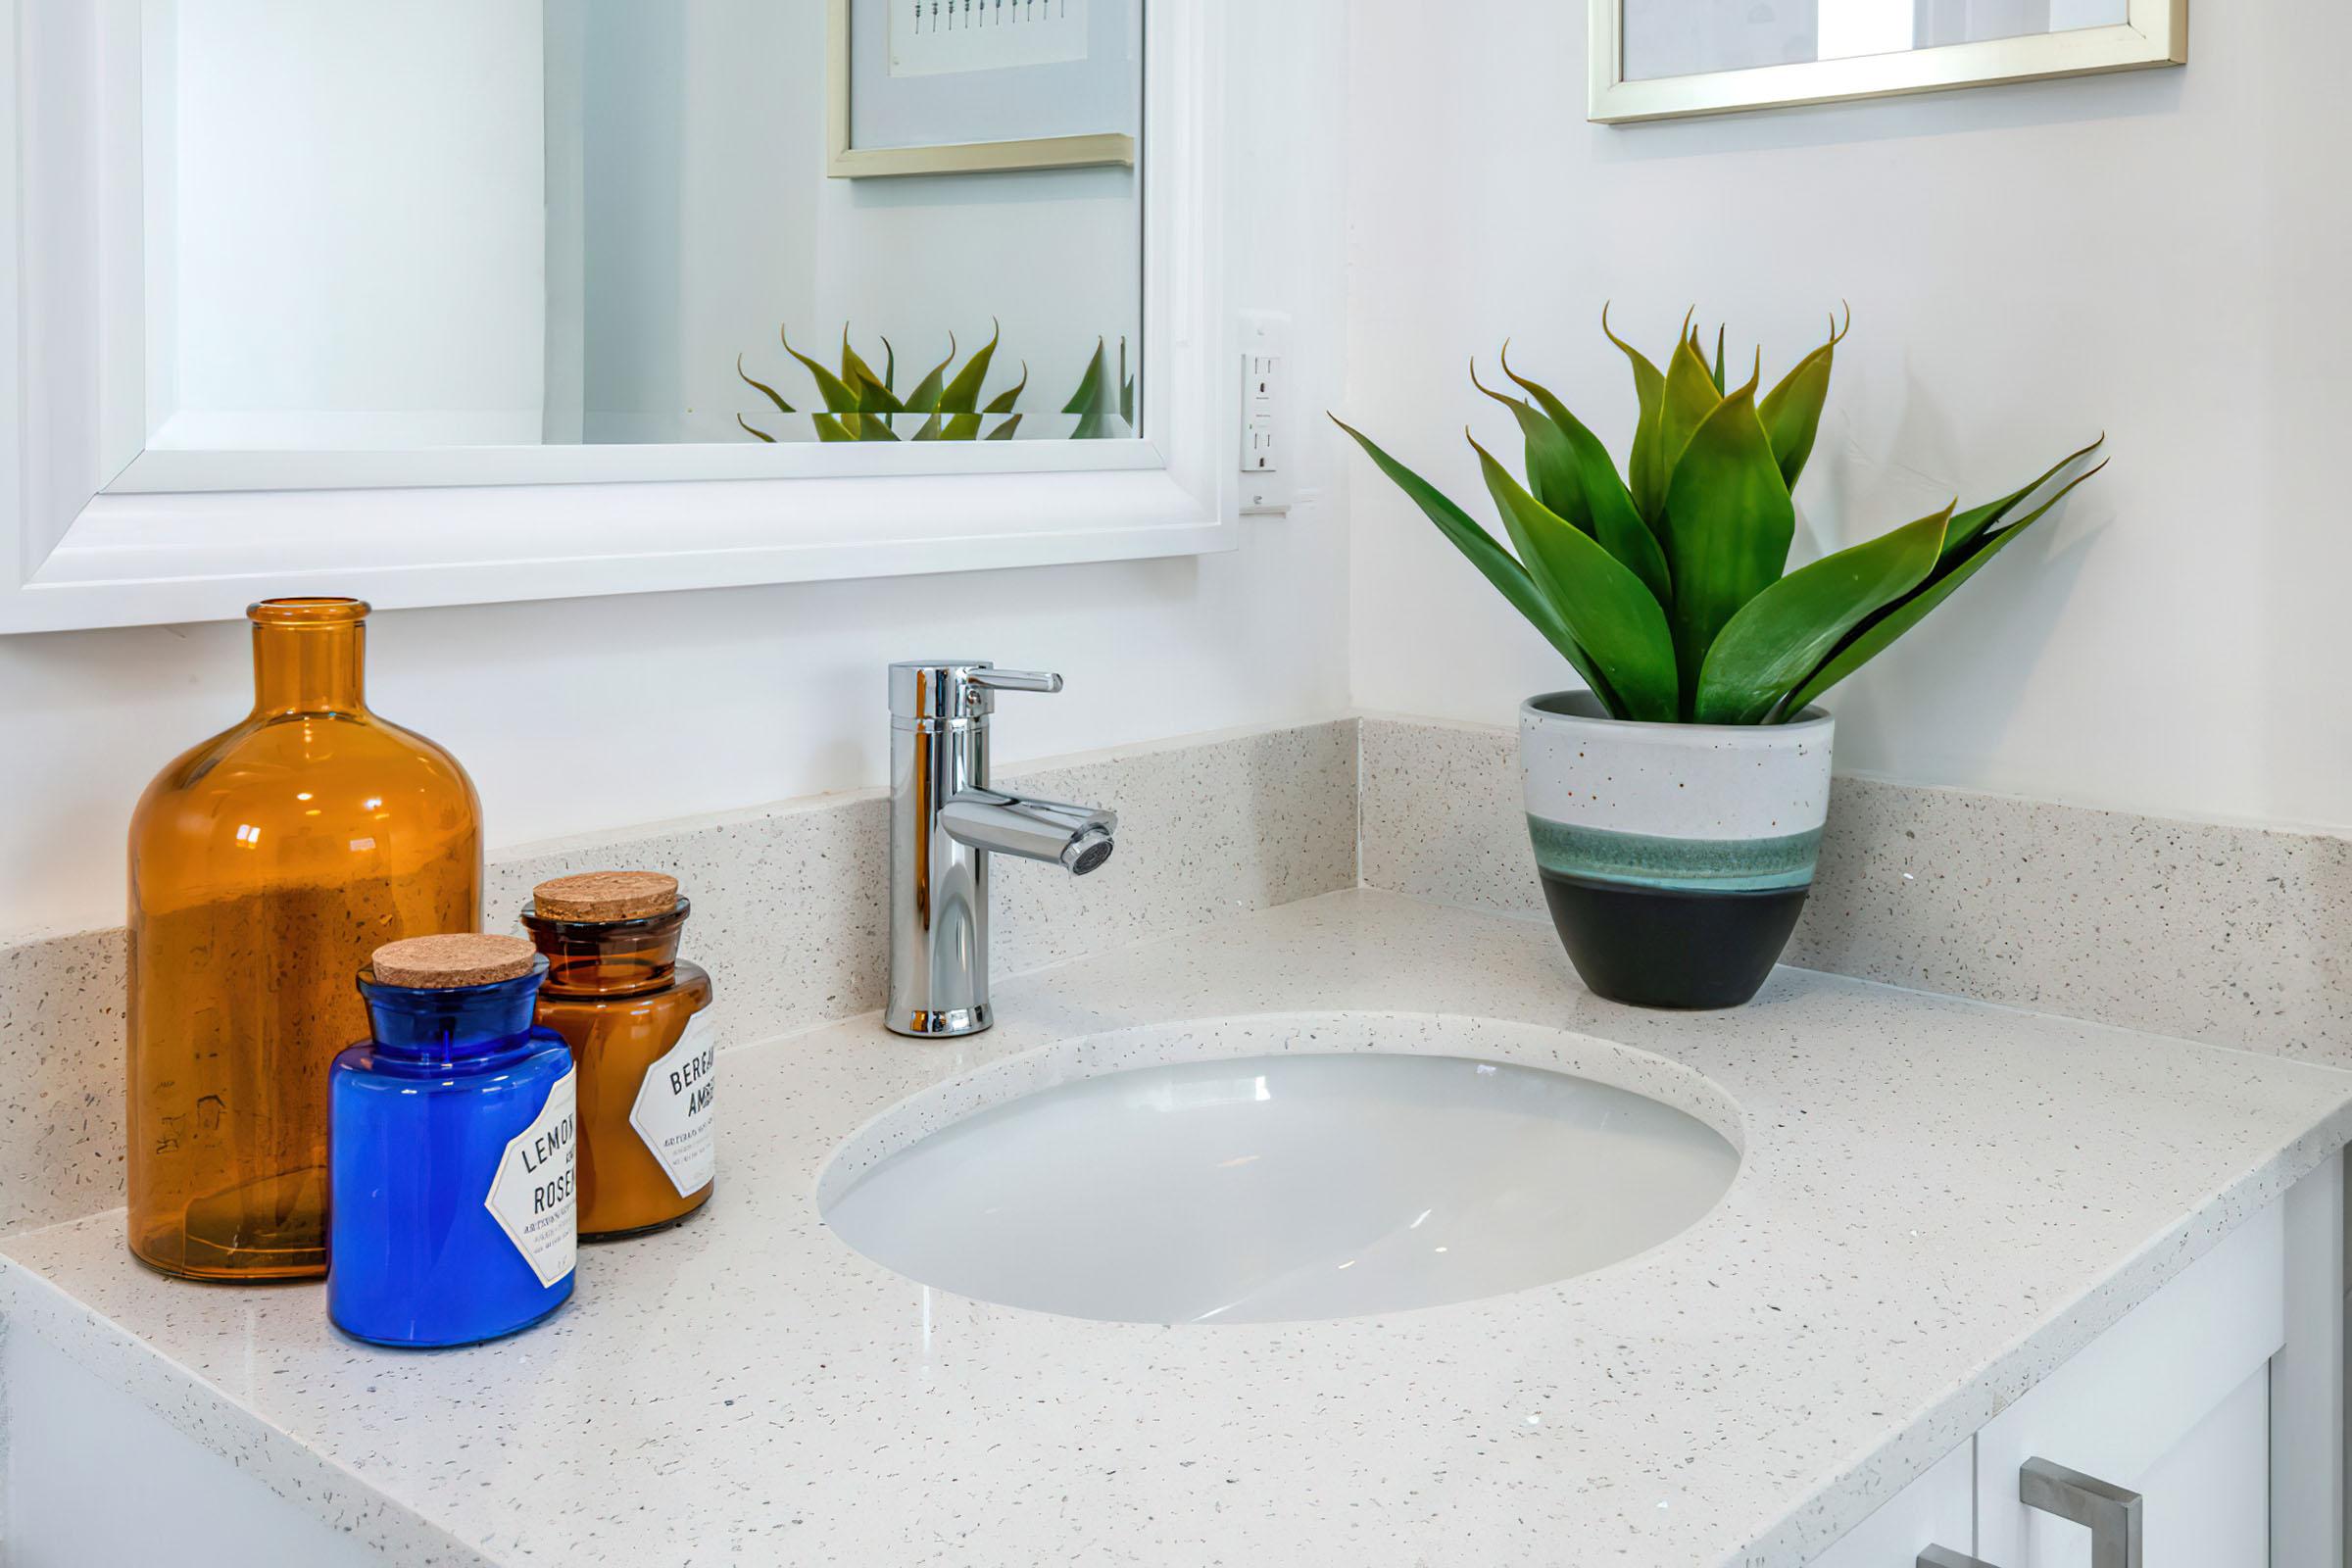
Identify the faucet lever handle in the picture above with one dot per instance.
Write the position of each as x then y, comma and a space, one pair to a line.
1014, 681
929, 690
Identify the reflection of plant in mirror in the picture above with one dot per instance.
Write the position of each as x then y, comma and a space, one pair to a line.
860, 405
1667, 594
1092, 402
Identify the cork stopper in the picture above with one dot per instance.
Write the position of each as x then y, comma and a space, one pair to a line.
460, 959
604, 895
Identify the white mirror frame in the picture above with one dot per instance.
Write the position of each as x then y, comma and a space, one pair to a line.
2156, 34
98, 531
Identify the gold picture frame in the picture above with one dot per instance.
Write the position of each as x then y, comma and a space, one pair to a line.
2154, 33
846, 162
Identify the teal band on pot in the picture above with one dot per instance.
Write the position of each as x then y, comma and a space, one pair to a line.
1724, 866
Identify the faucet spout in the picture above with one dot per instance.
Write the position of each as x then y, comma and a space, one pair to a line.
1080, 838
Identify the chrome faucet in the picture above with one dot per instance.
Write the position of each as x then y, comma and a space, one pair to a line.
945, 823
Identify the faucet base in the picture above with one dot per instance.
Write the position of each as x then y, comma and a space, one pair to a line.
945, 1023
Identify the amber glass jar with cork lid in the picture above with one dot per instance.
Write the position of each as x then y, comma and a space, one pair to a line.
635, 1019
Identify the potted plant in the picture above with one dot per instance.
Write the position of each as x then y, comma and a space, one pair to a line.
1676, 802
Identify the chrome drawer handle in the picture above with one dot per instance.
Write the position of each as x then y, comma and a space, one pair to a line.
2112, 1513
1944, 1557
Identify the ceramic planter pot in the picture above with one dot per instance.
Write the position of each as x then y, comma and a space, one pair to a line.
1675, 857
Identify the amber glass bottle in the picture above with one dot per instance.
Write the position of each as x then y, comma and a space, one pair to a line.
633, 1016
265, 866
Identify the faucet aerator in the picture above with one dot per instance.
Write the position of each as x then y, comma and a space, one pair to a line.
1088, 850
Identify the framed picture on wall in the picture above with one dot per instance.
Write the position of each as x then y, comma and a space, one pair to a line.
966, 86
1661, 58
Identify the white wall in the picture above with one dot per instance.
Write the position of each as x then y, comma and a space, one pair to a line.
749, 695
2159, 256
334, 285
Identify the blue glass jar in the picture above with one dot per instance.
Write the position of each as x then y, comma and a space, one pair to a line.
451, 1156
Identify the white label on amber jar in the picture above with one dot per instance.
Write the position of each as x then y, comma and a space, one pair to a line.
672, 1113
535, 1195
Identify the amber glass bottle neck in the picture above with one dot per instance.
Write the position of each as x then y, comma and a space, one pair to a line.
310, 669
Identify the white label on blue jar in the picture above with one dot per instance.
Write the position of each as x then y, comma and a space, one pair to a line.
535, 1197
673, 1108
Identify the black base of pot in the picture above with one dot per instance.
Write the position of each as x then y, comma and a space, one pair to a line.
1661, 948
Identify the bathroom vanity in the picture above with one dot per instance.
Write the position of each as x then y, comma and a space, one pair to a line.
472, 308
1959, 1238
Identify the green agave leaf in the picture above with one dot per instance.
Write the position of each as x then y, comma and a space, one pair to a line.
1494, 562
874, 428
924, 399
1092, 402
962, 427
1550, 461
773, 396
962, 394
854, 366
875, 395
1781, 635
1645, 465
1876, 634
1791, 411
1608, 510
929, 431
1974, 522
836, 393
876, 398
1004, 401
761, 435
1691, 396
1126, 387
1612, 617
1728, 524
829, 428
1090, 385
1003, 432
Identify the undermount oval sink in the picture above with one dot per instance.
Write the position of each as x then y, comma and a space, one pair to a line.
1375, 1165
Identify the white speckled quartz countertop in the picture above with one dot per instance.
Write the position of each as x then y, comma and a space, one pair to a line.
1938, 1203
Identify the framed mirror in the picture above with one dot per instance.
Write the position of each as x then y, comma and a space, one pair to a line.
1662, 59
458, 300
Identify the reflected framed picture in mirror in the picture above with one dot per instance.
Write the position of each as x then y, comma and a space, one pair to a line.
970, 86
1664, 59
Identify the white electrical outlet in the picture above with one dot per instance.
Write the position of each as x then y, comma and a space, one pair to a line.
1264, 434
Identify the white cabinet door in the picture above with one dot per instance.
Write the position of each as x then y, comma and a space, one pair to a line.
1933, 1510
2172, 1402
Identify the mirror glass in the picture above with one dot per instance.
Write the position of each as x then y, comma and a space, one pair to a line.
1687, 38
500, 222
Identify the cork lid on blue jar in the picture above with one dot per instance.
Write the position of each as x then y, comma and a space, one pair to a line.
457, 959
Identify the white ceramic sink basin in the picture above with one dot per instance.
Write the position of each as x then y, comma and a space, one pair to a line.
1267, 1188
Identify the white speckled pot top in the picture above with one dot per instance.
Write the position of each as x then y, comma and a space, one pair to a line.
1887, 1272
1675, 781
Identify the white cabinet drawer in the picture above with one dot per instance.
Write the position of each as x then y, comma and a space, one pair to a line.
2172, 1402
